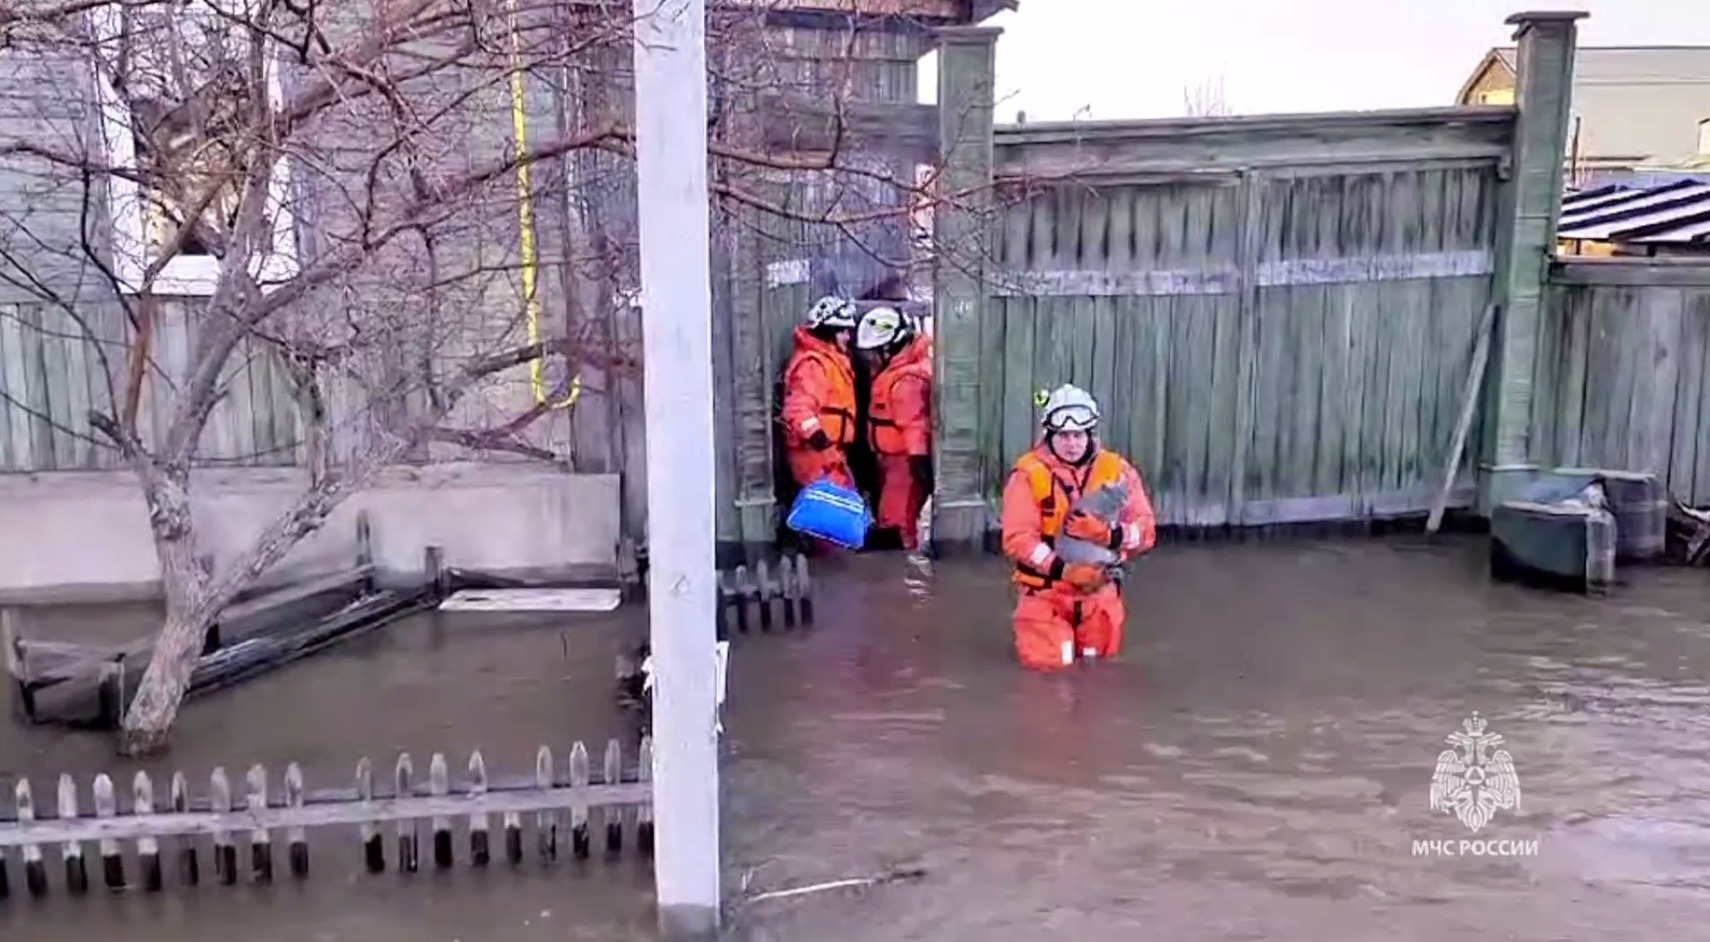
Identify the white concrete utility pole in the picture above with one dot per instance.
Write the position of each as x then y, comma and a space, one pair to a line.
676, 304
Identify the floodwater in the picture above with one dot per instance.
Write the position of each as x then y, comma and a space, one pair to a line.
1255, 766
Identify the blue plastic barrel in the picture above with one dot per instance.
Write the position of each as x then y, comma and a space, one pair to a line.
831, 512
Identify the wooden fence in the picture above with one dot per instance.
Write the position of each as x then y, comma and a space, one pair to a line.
1278, 332
560, 799
1623, 371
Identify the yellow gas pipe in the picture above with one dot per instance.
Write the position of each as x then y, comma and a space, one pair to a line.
525, 219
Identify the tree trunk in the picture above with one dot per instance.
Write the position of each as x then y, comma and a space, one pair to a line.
185, 582
194, 599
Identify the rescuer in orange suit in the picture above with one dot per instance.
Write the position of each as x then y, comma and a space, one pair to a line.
899, 417
1067, 610
819, 395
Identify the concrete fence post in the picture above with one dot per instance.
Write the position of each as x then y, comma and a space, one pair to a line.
961, 235
1526, 238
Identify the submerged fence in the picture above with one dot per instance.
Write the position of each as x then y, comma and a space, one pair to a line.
561, 801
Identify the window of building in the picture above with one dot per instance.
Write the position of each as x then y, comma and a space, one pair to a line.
1496, 96
173, 89
1704, 138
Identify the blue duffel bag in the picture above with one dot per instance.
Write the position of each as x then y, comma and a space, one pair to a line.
831, 512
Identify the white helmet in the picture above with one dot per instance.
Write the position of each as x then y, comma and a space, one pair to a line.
1070, 409
832, 311
879, 328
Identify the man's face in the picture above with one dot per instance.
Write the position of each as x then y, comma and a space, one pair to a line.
1071, 445
844, 339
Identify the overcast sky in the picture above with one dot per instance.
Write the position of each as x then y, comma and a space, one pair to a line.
1132, 58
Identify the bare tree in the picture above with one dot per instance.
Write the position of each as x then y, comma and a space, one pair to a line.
1205, 99
341, 188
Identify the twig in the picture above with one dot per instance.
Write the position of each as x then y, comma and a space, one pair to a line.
894, 876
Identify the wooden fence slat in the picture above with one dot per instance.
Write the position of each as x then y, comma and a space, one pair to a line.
35, 872
148, 847
260, 838
804, 589
225, 852
373, 848
546, 821
439, 784
189, 871
513, 838
613, 814
107, 806
579, 777
297, 836
479, 853
644, 778
76, 874
408, 859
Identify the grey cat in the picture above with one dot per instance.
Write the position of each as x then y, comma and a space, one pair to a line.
1106, 503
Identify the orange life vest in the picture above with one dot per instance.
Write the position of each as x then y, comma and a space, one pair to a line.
1054, 495
912, 362
837, 412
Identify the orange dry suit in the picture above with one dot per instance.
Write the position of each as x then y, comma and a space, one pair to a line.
899, 420
818, 410
1055, 619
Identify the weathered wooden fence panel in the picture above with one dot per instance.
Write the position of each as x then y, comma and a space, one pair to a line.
1621, 372
56, 365
1269, 346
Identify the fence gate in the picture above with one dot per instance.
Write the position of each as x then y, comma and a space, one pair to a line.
561, 800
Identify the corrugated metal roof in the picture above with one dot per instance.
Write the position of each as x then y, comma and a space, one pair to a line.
1671, 214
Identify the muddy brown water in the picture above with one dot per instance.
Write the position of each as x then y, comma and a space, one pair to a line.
1256, 766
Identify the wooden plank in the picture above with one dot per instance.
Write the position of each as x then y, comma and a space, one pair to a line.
1632, 272
1251, 334
793, 123
1700, 486
1470, 395
1064, 149
1575, 308
296, 592
36, 393
14, 422
131, 827
59, 381
1689, 449
1658, 368
1352, 269
533, 600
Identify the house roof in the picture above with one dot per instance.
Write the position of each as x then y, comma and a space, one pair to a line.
1640, 104
1675, 213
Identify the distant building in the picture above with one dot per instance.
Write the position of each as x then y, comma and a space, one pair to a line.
1641, 113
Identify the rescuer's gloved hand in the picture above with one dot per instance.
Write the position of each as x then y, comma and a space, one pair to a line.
1085, 526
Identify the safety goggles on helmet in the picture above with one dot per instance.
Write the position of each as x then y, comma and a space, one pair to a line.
1069, 409
833, 312
880, 327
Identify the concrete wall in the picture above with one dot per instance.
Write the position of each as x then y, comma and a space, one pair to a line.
85, 536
